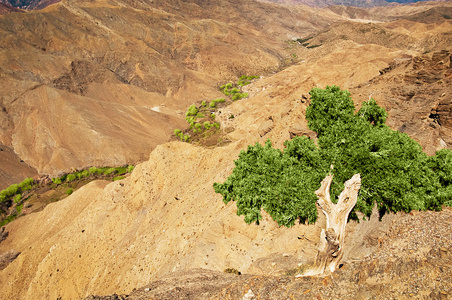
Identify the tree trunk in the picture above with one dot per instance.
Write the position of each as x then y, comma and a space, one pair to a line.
332, 239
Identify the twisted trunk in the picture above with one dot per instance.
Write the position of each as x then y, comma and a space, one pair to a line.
332, 238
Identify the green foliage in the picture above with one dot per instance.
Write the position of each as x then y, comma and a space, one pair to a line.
130, 168
373, 113
69, 191
71, 177
9, 192
56, 180
26, 184
92, 170
396, 174
192, 111
186, 138
212, 116
17, 198
207, 125
190, 120
118, 178
327, 107
177, 132
8, 219
238, 96
121, 170
110, 171
19, 209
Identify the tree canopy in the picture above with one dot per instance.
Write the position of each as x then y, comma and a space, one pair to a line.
396, 174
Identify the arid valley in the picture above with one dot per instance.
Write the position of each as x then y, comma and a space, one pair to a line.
87, 84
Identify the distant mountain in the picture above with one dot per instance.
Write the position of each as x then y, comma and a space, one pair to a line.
28, 4
40, 4
6, 8
356, 3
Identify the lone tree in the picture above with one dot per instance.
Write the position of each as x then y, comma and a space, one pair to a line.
385, 167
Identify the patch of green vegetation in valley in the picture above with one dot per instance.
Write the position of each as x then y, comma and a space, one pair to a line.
35, 196
203, 129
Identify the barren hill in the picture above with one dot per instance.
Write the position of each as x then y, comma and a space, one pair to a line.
103, 83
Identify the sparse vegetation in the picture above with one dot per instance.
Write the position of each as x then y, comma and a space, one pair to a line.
202, 119
232, 271
16, 194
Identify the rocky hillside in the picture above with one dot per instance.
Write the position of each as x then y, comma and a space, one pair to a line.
103, 83
412, 260
165, 221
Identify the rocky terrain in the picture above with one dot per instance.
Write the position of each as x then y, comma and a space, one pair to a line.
94, 84
164, 223
412, 260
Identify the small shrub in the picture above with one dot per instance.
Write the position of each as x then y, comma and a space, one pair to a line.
203, 103
19, 209
26, 184
177, 131
192, 111
130, 168
56, 180
190, 120
8, 219
232, 271
212, 116
207, 125
186, 138
92, 170
212, 104
71, 177
69, 191
118, 178
109, 171
198, 126
121, 170
17, 198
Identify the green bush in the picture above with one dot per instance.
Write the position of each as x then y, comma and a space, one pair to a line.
186, 138
212, 104
110, 171
212, 116
56, 180
71, 177
26, 184
207, 125
9, 192
192, 111
198, 126
121, 170
92, 170
19, 209
69, 191
190, 120
17, 198
177, 131
396, 174
130, 168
